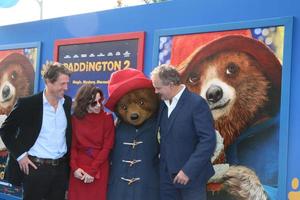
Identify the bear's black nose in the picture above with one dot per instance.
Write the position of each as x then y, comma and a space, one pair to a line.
134, 116
214, 94
5, 92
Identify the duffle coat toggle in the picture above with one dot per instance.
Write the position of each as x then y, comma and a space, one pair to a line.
133, 144
131, 162
131, 180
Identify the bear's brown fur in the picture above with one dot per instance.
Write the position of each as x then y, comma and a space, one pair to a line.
137, 106
250, 91
250, 188
239, 95
15, 82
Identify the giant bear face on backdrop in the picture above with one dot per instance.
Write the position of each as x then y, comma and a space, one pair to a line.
240, 87
16, 80
235, 89
137, 106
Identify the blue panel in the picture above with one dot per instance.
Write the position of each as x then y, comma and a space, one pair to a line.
185, 13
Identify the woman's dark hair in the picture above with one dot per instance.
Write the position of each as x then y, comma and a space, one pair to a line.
86, 94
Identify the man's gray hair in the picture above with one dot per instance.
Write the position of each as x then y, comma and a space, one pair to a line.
167, 74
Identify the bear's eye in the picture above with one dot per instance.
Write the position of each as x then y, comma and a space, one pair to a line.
124, 107
13, 75
231, 69
193, 79
141, 102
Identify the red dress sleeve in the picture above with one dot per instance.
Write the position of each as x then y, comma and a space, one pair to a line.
74, 153
109, 137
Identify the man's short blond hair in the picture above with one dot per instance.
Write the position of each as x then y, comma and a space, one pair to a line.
51, 71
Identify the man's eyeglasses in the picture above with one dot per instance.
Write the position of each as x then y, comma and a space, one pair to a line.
95, 103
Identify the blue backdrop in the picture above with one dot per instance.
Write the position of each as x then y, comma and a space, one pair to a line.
172, 14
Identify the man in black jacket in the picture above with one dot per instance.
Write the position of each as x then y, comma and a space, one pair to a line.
37, 134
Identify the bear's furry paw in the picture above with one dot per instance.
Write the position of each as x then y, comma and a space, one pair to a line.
243, 184
220, 170
215, 183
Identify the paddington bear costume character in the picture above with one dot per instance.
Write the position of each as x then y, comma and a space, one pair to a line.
134, 172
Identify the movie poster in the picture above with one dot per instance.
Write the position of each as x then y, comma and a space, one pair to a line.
18, 78
93, 60
238, 73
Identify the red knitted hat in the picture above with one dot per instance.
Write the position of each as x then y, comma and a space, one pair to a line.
123, 81
17, 58
184, 45
269, 63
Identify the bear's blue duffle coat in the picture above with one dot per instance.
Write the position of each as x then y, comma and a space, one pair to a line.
134, 172
258, 149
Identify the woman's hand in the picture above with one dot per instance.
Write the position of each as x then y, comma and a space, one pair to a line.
88, 178
79, 173
82, 175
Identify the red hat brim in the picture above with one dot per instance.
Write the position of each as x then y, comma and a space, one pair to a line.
269, 63
131, 84
16, 58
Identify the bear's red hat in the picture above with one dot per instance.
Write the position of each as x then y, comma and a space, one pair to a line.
269, 63
184, 45
123, 81
17, 58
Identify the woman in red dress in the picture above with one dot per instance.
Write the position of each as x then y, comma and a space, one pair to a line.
92, 141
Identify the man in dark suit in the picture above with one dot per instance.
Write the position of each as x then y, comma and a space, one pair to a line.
187, 138
37, 134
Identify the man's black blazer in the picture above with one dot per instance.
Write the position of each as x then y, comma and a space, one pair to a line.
21, 129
